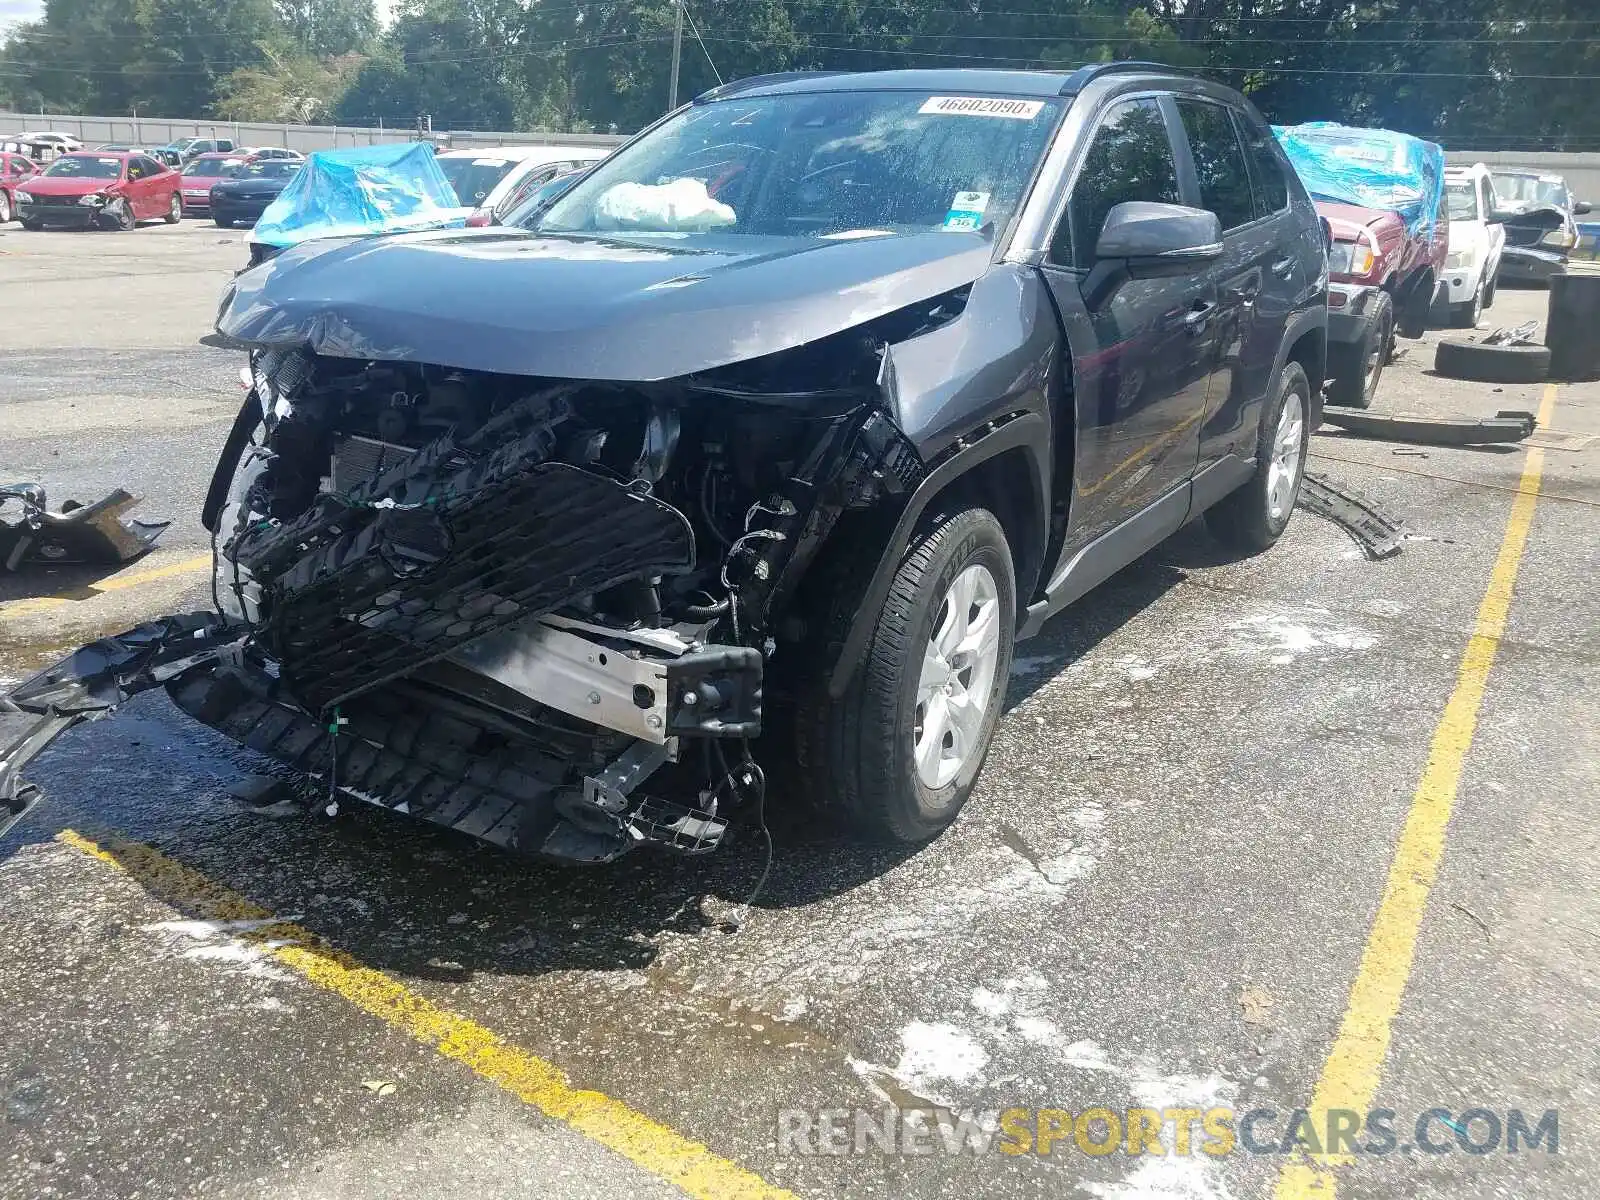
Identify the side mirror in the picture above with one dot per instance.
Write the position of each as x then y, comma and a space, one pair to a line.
1581, 208
1159, 239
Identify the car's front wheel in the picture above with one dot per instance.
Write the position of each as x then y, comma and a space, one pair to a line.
1467, 314
1252, 518
5, 208
899, 753
119, 216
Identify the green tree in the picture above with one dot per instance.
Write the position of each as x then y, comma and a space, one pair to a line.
329, 28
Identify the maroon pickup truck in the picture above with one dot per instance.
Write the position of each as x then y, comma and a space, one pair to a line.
1381, 280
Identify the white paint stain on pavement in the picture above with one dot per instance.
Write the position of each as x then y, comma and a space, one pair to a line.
1283, 637
218, 942
938, 1053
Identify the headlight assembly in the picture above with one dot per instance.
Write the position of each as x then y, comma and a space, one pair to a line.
92, 200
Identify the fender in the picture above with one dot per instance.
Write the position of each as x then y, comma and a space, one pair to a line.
1299, 324
1030, 431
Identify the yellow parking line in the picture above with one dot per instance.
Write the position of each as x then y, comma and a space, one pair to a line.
117, 583
1349, 1078
659, 1150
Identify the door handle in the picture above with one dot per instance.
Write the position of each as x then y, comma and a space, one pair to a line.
1199, 313
1283, 268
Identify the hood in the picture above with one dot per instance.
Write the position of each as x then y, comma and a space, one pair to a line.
1353, 216
1543, 216
591, 307
250, 187
61, 186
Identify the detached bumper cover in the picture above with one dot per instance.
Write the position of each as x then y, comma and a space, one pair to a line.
87, 533
60, 216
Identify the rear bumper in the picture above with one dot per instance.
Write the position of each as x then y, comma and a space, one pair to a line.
1526, 264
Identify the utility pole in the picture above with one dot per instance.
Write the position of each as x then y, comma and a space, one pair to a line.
677, 56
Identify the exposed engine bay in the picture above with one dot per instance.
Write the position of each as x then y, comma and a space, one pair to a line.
503, 603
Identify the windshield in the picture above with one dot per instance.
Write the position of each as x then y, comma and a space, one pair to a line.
84, 168
272, 168
220, 168
474, 178
834, 164
1529, 191
1461, 201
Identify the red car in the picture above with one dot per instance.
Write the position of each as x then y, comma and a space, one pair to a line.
14, 170
202, 173
1381, 279
114, 191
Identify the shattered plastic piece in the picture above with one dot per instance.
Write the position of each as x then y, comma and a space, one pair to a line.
1375, 531
78, 533
683, 205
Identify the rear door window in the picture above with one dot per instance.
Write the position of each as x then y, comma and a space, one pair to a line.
1130, 159
1266, 172
1218, 162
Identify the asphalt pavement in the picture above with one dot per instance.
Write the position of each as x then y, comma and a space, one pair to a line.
1272, 834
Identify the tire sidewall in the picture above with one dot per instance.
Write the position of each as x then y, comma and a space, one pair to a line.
979, 540
5, 208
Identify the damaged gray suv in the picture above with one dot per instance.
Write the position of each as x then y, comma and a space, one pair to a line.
764, 442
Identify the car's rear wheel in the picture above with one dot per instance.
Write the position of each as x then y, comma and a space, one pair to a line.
1252, 518
897, 755
1356, 367
174, 209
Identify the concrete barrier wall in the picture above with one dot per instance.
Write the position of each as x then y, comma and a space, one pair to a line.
156, 131
1581, 171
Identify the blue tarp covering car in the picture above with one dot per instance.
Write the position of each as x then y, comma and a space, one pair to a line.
361, 191
1373, 168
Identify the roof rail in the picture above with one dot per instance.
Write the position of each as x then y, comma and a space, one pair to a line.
1084, 76
734, 87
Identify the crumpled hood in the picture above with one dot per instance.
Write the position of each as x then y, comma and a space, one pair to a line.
625, 308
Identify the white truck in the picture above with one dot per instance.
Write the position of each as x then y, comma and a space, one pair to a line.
1476, 243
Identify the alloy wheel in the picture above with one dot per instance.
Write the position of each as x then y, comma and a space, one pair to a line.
1283, 475
958, 673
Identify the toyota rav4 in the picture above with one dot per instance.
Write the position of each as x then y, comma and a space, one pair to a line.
763, 442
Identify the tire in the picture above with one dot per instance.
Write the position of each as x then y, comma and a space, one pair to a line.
1253, 517
1489, 291
5, 208
1468, 314
119, 216
1492, 364
222, 224
1357, 367
1411, 320
859, 754
174, 209
33, 226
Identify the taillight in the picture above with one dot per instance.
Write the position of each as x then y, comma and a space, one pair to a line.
481, 218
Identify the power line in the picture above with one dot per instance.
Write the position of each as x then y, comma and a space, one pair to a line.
684, 5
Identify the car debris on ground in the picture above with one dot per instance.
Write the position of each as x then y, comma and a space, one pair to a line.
1508, 425
33, 534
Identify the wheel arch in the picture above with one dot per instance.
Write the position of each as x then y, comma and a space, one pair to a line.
1004, 468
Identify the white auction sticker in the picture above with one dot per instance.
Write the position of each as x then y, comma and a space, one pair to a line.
982, 106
